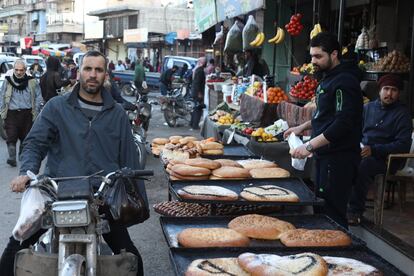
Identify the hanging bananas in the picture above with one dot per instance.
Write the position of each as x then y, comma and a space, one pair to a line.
279, 37
316, 30
258, 41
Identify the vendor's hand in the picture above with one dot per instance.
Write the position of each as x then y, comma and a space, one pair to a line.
297, 130
18, 184
366, 151
300, 152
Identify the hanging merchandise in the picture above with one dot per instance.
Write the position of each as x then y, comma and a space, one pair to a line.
279, 37
234, 40
294, 27
258, 41
219, 36
316, 30
250, 32
363, 40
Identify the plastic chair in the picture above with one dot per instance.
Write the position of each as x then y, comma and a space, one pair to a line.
400, 177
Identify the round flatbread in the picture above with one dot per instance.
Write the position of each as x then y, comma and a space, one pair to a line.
231, 172
269, 193
315, 238
269, 173
215, 267
211, 237
203, 163
257, 164
339, 266
204, 192
186, 170
228, 163
268, 264
260, 227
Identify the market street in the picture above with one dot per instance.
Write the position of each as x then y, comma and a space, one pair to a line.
148, 237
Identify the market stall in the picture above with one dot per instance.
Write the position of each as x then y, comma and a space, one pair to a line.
215, 207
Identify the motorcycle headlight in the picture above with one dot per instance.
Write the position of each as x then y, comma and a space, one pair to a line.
71, 213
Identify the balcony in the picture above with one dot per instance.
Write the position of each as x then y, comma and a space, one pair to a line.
64, 23
12, 11
41, 5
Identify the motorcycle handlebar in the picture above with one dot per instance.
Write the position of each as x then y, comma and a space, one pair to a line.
136, 173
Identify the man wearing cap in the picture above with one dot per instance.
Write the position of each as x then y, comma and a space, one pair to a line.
387, 129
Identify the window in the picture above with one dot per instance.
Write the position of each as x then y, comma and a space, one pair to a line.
133, 21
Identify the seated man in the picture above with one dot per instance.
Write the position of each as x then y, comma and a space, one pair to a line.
387, 129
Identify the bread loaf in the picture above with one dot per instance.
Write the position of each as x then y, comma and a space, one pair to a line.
186, 170
213, 152
211, 146
203, 163
211, 237
215, 267
257, 164
204, 192
160, 141
305, 264
314, 238
260, 227
347, 267
269, 173
231, 172
269, 193
228, 163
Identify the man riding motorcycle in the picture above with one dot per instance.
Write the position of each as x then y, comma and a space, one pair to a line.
81, 133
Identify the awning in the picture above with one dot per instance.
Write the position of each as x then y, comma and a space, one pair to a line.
113, 11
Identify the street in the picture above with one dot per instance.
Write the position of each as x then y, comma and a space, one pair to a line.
148, 236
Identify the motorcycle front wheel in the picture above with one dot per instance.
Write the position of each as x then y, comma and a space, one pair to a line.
142, 153
169, 117
128, 90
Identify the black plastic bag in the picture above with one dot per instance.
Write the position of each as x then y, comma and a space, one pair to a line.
127, 204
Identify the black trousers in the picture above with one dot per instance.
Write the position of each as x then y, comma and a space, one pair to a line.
335, 176
196, 114
117, 239
17, 125
368, 169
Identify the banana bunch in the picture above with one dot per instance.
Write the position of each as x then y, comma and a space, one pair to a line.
279, 37
316, 30
258, 41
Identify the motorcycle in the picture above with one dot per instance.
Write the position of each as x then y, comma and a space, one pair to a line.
75, 230
139, 118
177, 104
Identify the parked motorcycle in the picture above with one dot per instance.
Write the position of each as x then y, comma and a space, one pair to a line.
177, 104
75, 228
139, 118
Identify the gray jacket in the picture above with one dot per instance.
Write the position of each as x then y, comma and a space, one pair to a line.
76, 146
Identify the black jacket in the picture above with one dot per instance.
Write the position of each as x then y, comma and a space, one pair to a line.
50, 82
387, 129
339, 110
198, 84
166, 77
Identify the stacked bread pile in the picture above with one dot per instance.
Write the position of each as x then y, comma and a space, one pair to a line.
180, 148
158, 144
191, 169
208, 147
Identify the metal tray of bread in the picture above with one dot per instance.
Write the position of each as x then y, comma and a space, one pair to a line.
234, 151
181, 258
172, 226
294, 184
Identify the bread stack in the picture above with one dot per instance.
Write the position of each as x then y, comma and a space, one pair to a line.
158, 144
260, 168
191, 169
180, 148
210, 148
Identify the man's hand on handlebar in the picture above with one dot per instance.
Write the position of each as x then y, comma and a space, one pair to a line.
18, 184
